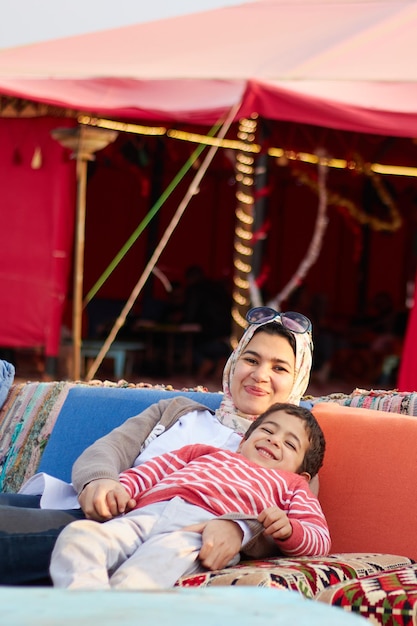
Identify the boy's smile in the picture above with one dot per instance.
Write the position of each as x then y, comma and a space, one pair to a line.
279, 442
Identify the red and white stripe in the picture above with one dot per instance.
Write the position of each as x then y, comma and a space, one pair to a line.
226, 482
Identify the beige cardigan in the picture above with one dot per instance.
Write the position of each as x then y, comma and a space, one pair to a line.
117, 451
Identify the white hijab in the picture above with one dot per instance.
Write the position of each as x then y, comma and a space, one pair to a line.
227, 413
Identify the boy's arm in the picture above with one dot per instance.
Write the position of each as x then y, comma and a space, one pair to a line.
300, 531
303, 519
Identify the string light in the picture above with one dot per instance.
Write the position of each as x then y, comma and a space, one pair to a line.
239, 321
278, 153
244, 158
241, 266
210, 141
244, 217
242, 261
396, 170
242, 284
244, 250
243, 234
121, 126
241, 300
244, 197
244, 169
391, 225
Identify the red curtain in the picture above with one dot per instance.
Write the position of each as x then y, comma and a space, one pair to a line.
407, 375
37, 199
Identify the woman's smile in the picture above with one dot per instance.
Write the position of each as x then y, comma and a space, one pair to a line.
256, 391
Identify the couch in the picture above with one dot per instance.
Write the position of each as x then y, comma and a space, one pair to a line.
366, 486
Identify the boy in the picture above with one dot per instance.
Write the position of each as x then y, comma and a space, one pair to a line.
153, 545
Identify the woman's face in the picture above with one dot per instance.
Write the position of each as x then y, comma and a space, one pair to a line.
264, 374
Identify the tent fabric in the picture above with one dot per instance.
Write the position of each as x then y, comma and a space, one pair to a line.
36, 203
345, 64
198, 102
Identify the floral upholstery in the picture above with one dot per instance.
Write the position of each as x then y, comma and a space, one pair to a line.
308, 575
389, 599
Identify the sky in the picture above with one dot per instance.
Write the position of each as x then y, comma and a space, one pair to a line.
30, 21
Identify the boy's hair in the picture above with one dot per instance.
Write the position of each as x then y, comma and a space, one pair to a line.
313, 458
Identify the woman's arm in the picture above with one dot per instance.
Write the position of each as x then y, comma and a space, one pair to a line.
116, 451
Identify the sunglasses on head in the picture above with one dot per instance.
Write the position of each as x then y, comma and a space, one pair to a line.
295, 322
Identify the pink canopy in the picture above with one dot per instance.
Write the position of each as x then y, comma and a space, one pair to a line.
340, 63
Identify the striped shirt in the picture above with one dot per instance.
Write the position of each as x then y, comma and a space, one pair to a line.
221, 482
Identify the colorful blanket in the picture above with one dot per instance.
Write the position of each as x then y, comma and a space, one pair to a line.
26, 421
392, 401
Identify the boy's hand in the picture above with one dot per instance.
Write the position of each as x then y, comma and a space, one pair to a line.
221, 541
276, 523
104, 499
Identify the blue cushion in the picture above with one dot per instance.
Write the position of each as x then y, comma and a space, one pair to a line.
91, 412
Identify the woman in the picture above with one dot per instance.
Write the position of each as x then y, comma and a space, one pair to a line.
271, 363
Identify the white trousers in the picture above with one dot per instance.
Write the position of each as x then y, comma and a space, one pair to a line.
144, 549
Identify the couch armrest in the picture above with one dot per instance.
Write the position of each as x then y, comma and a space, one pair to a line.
367, 483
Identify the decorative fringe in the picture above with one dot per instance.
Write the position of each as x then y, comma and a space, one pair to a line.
36, 162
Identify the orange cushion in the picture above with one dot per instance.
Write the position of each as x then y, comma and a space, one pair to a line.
367, 483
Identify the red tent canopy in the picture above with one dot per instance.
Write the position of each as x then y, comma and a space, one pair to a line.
340, 63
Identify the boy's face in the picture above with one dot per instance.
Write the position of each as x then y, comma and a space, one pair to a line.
280, 442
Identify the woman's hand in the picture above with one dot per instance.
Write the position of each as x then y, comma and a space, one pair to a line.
221, 541
276, 523
104, 499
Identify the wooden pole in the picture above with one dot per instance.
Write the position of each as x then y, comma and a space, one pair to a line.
83, 141
77, 305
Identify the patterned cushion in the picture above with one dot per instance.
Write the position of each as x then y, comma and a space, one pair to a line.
389, 599
393, 401
308, 575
